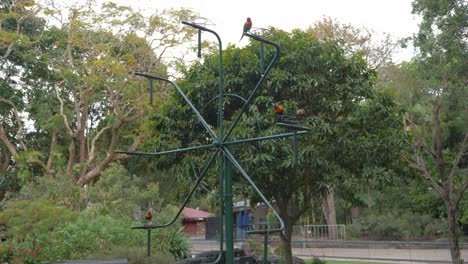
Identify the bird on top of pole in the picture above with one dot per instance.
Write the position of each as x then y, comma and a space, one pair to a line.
247, 27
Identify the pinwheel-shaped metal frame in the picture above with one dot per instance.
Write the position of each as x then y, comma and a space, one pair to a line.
220, 147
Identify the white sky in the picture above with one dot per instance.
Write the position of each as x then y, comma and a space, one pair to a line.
381, 16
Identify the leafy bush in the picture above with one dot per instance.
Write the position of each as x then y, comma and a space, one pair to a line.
116, 194
27, 220
175, 242
93, 233
59, 190
21, 255
90, 233
395, 224
102, 230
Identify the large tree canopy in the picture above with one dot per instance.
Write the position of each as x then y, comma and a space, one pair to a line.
70, 73
355, 130
438, 122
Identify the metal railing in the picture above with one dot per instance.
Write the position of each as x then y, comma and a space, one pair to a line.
387, 251
319, 232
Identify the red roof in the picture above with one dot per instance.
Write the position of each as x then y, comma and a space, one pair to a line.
190, 213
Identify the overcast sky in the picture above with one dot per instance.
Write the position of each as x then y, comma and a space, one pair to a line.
389, 16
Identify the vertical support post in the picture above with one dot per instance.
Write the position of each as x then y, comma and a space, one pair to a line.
262, 57
199, 44
149, 243
295, 148
265, 248
151, 91
229, 211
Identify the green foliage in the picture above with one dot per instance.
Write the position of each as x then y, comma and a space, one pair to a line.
27, 220
398, 224
59, 190
175, 242
21, 255
89, 234
119, 195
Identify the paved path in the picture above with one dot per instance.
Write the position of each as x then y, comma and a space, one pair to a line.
387, 255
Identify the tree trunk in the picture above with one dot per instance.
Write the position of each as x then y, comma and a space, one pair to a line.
329, 212
53, 144
71, 155
454, 232
286, 237
4, 162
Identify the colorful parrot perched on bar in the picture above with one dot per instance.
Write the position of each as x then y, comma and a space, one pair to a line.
278, 109
149, 215
247, 27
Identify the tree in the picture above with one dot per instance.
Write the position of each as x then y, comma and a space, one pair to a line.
20, 28
82, 97
378, 54
439, 129
331, 85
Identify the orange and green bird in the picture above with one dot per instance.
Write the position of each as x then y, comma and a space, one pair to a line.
278, 109
247, 27
149, 215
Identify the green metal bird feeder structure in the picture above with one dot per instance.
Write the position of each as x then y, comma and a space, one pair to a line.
220, 149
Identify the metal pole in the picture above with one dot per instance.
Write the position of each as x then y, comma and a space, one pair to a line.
149, 243
199, 43
229, 211
151, 89
262, 57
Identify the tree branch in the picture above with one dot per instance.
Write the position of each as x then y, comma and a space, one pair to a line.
19, 132
93, 155
421, 165
460, 154
53, 143
65, 119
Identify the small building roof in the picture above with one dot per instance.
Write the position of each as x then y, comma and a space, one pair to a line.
194, 214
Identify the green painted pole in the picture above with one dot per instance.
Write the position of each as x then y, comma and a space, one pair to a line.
149, 243
151, 91
229, 211
265, 248
262, 57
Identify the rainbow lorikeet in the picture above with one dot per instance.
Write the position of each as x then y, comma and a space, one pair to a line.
278, 109
149, 215
247, 27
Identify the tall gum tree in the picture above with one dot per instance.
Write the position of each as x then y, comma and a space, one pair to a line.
439, 126
81, 91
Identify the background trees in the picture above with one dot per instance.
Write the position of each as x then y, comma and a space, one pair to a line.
440, 128
333, 86
73, 79
68, 99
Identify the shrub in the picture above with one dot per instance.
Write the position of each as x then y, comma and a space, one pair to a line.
175, 242
15, 255
95, 234
89, 234
59, 190
395, 224
117, 195
26, 220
